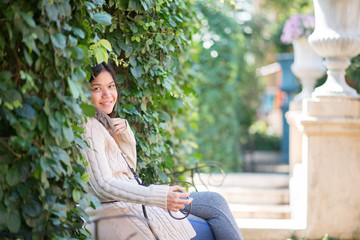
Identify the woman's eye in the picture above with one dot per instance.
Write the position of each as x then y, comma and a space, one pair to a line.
112, 86
95, 89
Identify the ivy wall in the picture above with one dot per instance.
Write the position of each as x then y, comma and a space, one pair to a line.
44, 69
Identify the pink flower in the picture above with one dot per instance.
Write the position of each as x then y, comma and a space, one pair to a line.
297, 26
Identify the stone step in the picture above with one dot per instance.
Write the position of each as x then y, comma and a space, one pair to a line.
251, 211
248, 180
276, 196
270, 168
269, 229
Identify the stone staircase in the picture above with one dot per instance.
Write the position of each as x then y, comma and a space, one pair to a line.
251, 195
258, 201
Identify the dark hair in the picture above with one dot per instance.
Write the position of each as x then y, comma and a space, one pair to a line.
96, 70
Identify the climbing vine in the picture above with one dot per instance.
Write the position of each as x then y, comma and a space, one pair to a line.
45, 57
150, 40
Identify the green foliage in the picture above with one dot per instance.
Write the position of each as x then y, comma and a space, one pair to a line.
45, 48
44, 59
267, 28
227, 92
353, 73
149, 40
261, 139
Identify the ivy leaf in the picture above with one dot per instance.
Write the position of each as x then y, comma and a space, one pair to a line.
28, 58
29, 20
169, 162
106, 44
167, 83
45, 164
144, 5
76, 128
133, 27
76, 195
59, 210
51, 11
131, 109
58, 40
26, 111
32, 207
72, 40
164, 116
90, 5
99, 2
102, 18
88, 110
12, 176
136, 72
78, 32
95, 202
74, 88
162, 175
101, 55
77, 52
133, 61
13, 221
85, 177
68, 134
61, 155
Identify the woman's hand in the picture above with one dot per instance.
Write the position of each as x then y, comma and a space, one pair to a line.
175, 199
119, 124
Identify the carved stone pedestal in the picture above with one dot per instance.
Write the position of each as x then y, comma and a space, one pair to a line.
331, 162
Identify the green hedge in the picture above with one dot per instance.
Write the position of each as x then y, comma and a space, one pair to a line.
152, 39
43, 77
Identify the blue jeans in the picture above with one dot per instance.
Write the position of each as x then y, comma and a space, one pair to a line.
213, 208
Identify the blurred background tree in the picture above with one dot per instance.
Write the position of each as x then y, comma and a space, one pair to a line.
227, 88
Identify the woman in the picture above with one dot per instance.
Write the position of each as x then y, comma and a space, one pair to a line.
111, 154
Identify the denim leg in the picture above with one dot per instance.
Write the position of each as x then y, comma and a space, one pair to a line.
213, 208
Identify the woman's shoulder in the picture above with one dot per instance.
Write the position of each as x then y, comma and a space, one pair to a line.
92, 123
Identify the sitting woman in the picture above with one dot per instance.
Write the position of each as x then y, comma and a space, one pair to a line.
111, 158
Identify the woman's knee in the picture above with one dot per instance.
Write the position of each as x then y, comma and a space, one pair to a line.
210, 198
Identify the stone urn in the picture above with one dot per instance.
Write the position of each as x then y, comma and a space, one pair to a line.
307, 67
336, 37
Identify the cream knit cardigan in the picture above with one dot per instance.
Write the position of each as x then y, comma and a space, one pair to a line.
111, 179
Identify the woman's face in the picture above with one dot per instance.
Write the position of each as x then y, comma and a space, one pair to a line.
103, 92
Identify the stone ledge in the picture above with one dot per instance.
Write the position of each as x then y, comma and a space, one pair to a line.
249, 180
332, 107
258, 211
270, 229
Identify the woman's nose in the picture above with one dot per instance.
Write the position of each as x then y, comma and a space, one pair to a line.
106, 93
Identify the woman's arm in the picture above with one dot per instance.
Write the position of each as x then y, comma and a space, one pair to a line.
101, 175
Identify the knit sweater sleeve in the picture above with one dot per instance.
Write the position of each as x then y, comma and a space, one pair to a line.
101, 175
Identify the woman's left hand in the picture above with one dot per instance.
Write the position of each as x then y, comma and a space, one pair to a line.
119, 124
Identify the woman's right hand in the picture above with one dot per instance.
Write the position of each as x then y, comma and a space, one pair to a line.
177, 198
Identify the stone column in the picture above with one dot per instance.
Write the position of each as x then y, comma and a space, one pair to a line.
331, 162
330, 123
